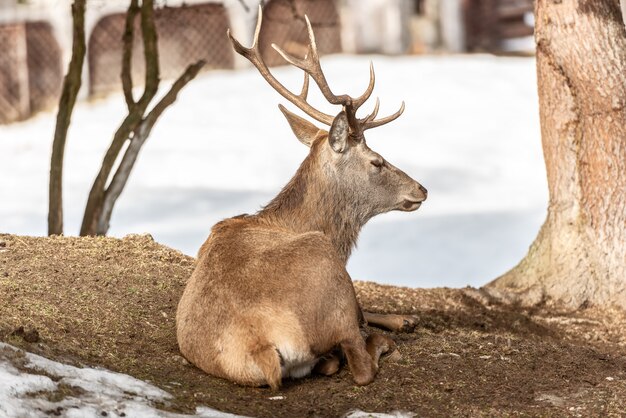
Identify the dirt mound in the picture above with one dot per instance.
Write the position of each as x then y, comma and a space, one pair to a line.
112, 303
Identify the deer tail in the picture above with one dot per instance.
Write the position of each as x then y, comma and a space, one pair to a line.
268, 359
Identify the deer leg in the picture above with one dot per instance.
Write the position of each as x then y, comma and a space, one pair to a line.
392, 322
329, 364
359, 360
377, 345
363, 356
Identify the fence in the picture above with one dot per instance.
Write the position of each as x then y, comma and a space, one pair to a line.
489, 22
31, 62
14, 93
45, 73
284, 25
186, 34
30, 69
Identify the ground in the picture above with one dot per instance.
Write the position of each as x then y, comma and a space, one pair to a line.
111, 303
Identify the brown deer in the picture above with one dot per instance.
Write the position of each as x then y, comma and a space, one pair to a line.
270, 296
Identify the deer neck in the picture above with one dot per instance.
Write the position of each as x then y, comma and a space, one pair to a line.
312, 201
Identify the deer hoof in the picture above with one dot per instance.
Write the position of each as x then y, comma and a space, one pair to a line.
408, 324
394, 356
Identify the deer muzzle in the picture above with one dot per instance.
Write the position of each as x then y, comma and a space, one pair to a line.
413, 201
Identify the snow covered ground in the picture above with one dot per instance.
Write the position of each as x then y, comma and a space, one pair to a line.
470, 135
32, 386
28, 383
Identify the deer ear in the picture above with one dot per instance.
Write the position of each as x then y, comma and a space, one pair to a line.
304, 130
339, 130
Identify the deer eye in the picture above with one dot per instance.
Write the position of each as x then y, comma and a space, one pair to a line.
377, 163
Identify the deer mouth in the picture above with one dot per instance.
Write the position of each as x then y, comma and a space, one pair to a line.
409, 205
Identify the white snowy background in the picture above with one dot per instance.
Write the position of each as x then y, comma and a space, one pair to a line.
470, 135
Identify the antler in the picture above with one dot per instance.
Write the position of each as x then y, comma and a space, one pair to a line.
310, 64
254, 56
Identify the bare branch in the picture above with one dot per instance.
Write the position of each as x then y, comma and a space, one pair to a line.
71, 86
151, 53
141, 134
127, 53
93, 208
170, 97
135, 128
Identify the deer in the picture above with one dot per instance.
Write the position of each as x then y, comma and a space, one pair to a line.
270, 297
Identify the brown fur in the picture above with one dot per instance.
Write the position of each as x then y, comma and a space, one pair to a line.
273, 287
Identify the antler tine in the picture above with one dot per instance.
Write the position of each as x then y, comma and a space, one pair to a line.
242, 50
253, 55
305, 87
372, 115
374, 123
356, 103
311, 65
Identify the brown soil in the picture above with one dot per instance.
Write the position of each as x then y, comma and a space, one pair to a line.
111, 303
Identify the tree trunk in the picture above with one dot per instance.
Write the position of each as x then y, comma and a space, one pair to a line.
71, 85
137, 125
579, 256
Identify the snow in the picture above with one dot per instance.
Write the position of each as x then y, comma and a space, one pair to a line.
470, 135
28, 384
25, 391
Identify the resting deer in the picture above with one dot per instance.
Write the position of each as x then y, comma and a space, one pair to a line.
270, 296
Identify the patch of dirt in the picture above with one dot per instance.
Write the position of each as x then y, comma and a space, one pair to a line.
111, 303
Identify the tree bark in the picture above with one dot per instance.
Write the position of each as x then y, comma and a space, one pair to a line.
71, 86
136, 126
579, 256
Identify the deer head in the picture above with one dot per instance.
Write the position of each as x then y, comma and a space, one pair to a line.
340, 160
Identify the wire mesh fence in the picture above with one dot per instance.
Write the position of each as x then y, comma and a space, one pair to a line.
13, 83
186, 34
284, 24
32, 57
30, 69
43, 60
31, 63
490, 22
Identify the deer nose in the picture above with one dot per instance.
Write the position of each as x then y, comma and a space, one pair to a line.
419, 193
